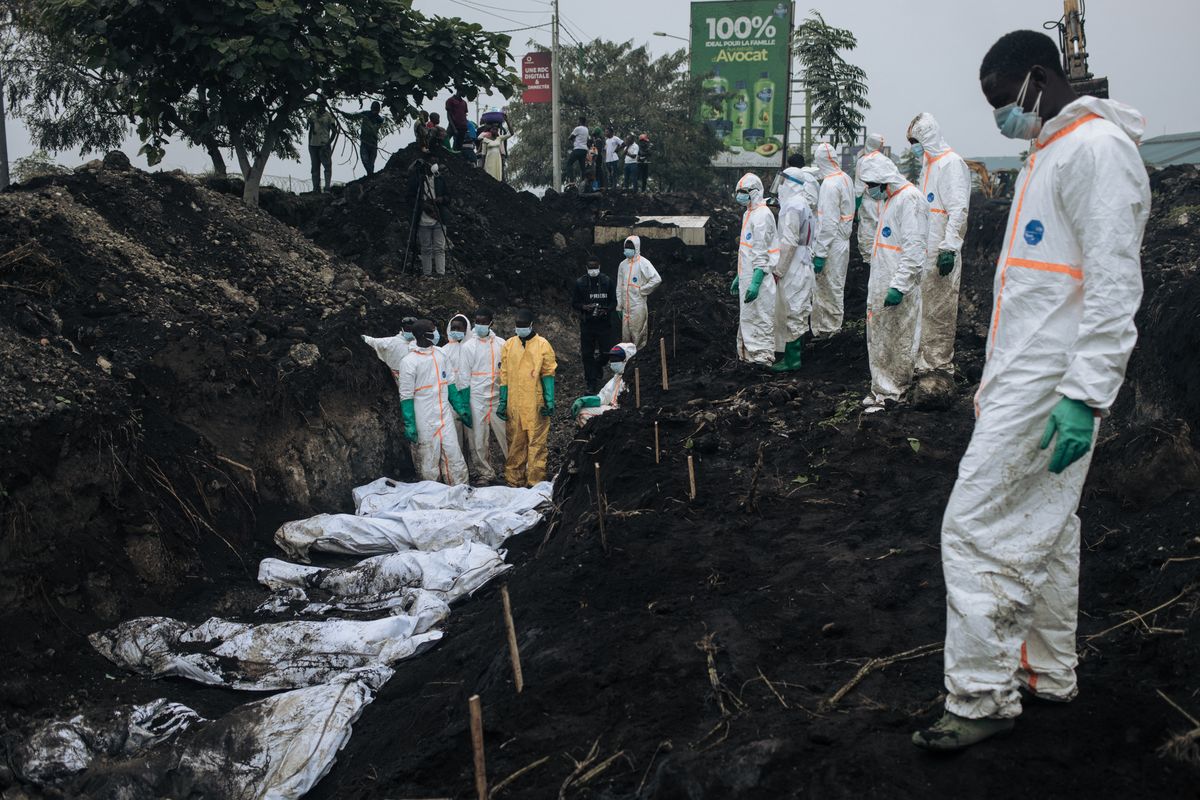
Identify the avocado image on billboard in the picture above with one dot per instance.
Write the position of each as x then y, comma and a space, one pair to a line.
740, 51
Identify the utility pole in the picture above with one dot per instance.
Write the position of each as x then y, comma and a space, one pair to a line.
555, 138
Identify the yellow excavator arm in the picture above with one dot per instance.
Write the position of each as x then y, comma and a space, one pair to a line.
1072, 41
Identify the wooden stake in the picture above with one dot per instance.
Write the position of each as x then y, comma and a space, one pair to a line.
656, 451
662, 351
514, 654
600, 510
477, 747
637, 387
691, 478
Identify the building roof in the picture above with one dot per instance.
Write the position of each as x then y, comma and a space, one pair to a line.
1174, 148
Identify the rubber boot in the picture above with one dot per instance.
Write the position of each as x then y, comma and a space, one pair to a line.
953, 732
791, 357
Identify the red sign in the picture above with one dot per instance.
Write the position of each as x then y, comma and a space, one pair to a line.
535, 74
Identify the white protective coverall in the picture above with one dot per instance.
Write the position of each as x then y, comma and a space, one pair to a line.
794, 290
945, 184
392, 350
481, 359
1067, 286
425, 378
610, 391
868, 210
812, 187
893, 331
636, 280
455, 352
835, 218
756, 250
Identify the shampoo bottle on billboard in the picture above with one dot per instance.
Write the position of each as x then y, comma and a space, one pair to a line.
764, 104
739, 107
714, 108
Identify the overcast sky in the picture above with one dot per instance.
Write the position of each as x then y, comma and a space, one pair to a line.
920, 55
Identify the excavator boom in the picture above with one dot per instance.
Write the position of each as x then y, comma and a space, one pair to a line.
1072, 41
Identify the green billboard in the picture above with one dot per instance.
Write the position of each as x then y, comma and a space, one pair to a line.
740, 48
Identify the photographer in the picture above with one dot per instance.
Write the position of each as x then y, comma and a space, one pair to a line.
427, 188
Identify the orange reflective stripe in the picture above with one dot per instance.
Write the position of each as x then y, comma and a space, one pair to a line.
845, 217
939, 211
929, 162
882, 211
1033, 676
422, 388
1064, 131
1012, 237
1045, 266
883, 246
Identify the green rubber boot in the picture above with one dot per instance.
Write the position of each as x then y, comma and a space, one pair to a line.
791, 357
953, 732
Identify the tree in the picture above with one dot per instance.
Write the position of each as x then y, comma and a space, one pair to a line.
910, 165
243, 73
618, 84
836, 90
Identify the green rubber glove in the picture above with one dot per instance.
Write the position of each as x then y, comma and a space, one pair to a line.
1074, 422
548, 395
894, 296
733, 287
620, 318
460, 401
588, 401
857, 202
408, 412
502, 409
818, 264
755, 284
945, 262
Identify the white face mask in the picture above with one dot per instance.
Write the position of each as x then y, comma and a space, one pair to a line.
483, 331
617, 366
457, 336
1017, 123
593, 273
435, 169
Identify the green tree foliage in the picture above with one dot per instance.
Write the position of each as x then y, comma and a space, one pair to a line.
35, 165
617, 84
837, 89
910, 165
244, 73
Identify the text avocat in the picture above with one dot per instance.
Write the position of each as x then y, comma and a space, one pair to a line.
741, 55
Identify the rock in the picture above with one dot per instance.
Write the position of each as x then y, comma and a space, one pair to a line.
560, 241
304, 354
104, 364
116, 160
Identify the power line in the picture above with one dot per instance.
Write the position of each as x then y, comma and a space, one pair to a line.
482, 10
530, 28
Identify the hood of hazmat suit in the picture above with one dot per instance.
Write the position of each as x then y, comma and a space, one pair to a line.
925, 129
1068, 284
899, 254
636, 280
835, 220
757, 251
868, 209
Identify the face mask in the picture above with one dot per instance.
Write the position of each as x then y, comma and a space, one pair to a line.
437, 337
617, 366
742, 199
408, 337
876, 192
630, 252
918, 150
482, 331
457, 336
1017, 123
595, 273
435, 169
525, 333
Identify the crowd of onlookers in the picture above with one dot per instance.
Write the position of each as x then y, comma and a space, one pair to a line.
603, 157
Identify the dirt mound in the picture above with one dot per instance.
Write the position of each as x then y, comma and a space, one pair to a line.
702, 656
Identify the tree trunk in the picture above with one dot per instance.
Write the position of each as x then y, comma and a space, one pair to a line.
243, 161
218, 160
3, 140
254, 179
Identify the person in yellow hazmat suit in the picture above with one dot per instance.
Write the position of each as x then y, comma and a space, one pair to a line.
527, 367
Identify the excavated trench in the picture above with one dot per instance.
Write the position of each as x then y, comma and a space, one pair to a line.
182, 374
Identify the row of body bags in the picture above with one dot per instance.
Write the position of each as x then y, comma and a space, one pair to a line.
332, 627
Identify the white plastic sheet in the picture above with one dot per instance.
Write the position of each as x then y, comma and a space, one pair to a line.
272, 749
451, 574
393, 531
385, 495
269, 656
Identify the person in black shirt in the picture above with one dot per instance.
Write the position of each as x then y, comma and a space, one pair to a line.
595, 298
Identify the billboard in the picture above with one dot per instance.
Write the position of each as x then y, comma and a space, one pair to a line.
535, 74
741, 50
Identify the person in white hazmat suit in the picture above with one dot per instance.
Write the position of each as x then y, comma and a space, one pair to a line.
754, 285
588, 406
831, 245
868, 209
428, 399
812, 187
945, 183
1068, 284
793, 270
458, 333
894, 287
481, 362
392, 350
636, 280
